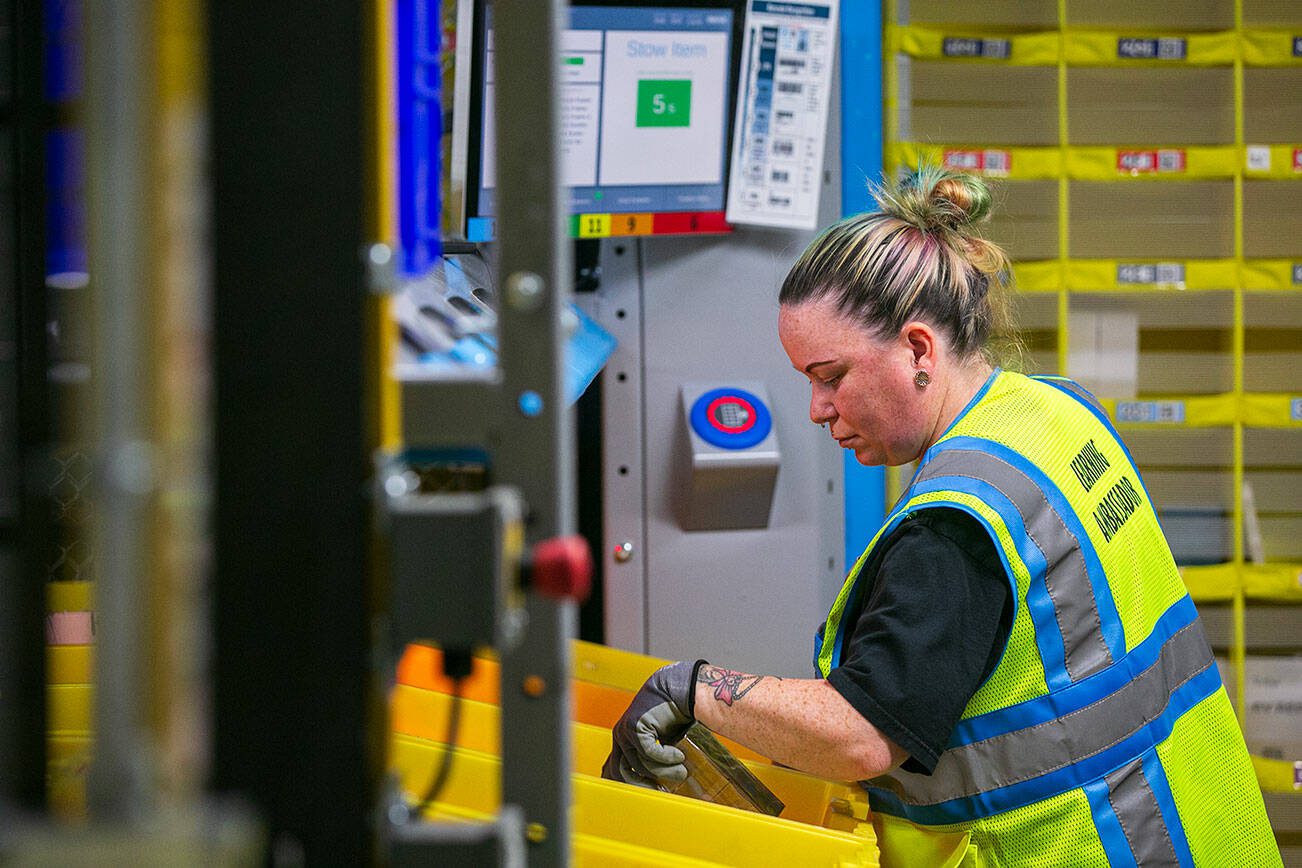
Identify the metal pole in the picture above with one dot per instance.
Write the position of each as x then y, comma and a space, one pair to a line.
534, 276
24, 522
118, 137
296, 716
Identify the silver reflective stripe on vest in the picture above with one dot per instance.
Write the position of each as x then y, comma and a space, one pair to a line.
1141, 820
1067, 579
1028, 753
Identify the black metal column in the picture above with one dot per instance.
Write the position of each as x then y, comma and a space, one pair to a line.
291, 657
24, 412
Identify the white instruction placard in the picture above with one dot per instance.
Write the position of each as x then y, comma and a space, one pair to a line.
781, 120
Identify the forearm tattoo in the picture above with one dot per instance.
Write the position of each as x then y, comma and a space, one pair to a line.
729, 685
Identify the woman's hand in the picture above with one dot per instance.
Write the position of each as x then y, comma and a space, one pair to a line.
642, 750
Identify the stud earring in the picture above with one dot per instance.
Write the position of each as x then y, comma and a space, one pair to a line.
922, 379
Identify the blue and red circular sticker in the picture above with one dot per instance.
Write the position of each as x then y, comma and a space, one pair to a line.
731, 418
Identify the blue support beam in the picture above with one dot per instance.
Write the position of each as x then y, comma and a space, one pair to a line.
861, 162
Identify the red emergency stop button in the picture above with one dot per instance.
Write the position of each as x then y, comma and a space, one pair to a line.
562, 568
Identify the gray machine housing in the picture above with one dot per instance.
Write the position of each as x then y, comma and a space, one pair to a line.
727, 489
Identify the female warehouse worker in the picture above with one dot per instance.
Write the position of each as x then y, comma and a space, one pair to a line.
1013, 666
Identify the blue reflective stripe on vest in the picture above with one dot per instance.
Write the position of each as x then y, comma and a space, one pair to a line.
1077, 774
1110, 621
1083, 693
1047, 637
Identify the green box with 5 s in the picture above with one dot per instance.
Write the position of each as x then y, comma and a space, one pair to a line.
664, 102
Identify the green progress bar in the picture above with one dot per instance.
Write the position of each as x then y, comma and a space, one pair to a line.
574, 61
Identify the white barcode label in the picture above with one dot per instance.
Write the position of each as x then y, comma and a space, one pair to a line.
963, 160
1170, 161
1147, 162
988, 49
1150, 412
995, 161
1295, 409
1297, 272
989, 162
1165, 48
1258, 158
1150, 273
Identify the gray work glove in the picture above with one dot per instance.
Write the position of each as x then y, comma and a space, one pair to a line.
643, 751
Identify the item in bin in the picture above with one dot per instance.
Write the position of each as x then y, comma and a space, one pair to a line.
715, 775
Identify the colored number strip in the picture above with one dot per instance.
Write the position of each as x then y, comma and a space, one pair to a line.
615, 225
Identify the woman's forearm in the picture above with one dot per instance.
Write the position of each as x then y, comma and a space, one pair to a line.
802, 723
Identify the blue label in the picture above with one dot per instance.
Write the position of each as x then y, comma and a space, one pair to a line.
1295, 410
480, 228
1297, 272
1297, 46
1151, 412
1164, 48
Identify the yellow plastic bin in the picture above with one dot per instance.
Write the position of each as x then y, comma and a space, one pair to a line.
670, 827
423, 714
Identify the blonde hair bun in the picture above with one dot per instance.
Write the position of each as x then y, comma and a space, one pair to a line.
936, 200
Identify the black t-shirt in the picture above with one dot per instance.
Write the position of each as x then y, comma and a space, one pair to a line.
933, 627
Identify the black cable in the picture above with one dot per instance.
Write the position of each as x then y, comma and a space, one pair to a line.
457, 667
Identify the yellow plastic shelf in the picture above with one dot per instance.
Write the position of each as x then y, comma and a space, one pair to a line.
70, 708
966, 44
1112, 275
1270, 48
1087, 47
1253, 410
1173, 162
70, 664
1145, 163
679, 827
1218, 583
1271, 274
70, 596
1278, 776
68, 762
992, 161
1037, 277
1277, 162
1094, 48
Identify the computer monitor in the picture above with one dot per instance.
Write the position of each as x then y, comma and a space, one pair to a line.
645, 122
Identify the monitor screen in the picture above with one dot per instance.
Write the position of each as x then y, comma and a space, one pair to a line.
645, 119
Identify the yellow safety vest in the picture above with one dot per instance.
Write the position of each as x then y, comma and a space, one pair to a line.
1103, 736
